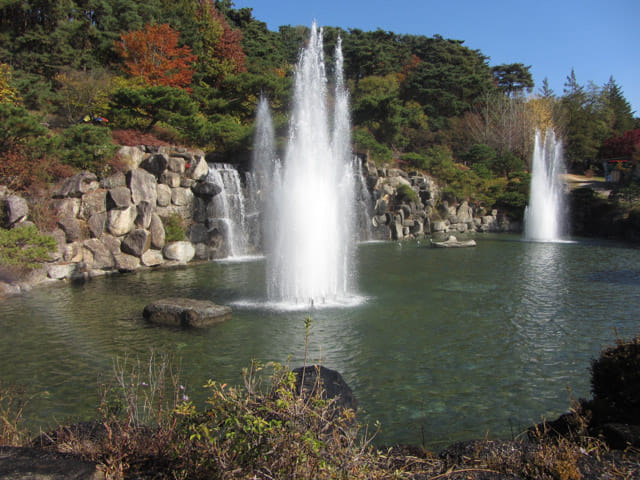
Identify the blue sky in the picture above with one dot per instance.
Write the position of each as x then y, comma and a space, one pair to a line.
598, 38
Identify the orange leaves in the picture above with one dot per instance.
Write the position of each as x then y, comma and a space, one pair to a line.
153, 54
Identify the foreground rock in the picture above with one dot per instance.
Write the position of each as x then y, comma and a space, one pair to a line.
186, 312
32, 463
314, 379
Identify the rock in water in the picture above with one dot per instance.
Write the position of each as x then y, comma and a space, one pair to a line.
186, 312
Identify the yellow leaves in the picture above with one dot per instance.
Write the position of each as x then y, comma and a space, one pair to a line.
541, 111
8, 93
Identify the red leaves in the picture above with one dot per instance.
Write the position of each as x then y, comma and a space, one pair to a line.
153, 54
623, 146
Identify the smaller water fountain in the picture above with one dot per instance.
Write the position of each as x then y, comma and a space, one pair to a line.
543, 218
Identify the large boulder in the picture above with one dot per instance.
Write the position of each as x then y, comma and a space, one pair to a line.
206, 189
143, 187
181, 196
102, 257
198, 169
465, 213
177, 164
121, 222
163, 193
126, 263
155, 164
60, 271
181, 252
329, 384
171, 179
119, 197
156, 228
186, 312
145, 211
131, 157
152, 258
77, 185
16, 209
92, 203
71, 227
136, 242
115, 180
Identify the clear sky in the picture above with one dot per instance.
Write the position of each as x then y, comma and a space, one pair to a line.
597, 38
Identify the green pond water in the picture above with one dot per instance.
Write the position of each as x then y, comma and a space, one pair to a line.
444, 345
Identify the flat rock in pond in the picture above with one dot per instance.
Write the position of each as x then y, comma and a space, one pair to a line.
185, 312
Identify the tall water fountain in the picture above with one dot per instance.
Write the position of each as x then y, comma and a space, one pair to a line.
543, 218
309, 241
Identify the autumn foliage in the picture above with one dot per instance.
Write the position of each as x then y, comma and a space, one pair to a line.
221, 50
624, 146
153, 55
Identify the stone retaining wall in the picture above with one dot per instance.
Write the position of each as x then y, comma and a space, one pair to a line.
118, 223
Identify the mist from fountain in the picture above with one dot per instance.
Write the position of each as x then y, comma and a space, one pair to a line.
546, 210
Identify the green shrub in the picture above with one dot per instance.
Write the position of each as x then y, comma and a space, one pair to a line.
615, 380
249, 431
407, 194
416, 160
25, 247
87, 147
174, 228
366, 142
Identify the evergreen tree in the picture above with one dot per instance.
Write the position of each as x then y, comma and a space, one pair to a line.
621, 109
513, 79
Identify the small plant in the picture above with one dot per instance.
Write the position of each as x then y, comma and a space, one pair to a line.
24, 247
12, 403
407, 194
175, 229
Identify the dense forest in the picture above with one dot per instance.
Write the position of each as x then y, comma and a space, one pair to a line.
79, 77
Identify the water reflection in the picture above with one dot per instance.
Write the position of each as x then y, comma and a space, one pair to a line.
451, 343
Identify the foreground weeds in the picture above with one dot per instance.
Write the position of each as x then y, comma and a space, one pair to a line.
272, 428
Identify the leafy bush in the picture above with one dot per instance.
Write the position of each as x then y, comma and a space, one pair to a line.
87, 147
175, 229
407, 194
25, 247
615, 380
276, 433
142, 108
366, 142
481, 159
417, 160
515, 196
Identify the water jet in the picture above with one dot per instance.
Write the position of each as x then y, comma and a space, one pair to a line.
309, 239
543, 218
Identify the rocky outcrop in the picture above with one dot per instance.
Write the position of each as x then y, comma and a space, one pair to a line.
185, 312
409, 205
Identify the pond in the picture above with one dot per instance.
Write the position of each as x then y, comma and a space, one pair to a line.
445, 344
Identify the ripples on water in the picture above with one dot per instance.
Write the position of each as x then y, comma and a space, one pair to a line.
445, 343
